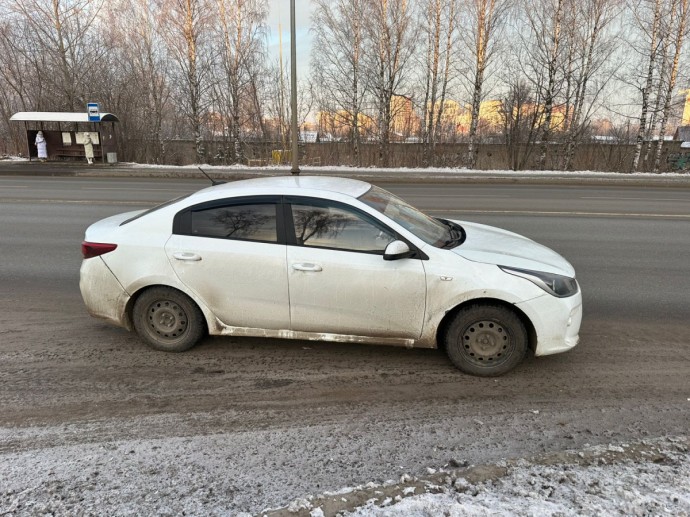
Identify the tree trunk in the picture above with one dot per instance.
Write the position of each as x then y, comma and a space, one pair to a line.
574, 133
660, 96
474, 121
680, 36
550, 89
648, 86
446, 73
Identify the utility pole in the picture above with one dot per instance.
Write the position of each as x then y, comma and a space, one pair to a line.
293, 90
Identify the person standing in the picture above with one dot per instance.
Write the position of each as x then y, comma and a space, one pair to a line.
41, 146
88, 148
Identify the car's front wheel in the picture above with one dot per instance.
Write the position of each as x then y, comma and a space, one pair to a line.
486, 340
167, 319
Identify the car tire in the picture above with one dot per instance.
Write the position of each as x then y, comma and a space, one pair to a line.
168, 320
486, 340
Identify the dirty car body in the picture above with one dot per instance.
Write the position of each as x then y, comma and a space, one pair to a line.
328, 259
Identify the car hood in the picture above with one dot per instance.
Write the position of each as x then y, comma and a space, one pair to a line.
492, 245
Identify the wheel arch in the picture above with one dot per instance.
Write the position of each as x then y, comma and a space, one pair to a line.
448, 318
129, 307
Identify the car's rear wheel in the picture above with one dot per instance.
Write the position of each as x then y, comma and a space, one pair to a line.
486, 340
167, 319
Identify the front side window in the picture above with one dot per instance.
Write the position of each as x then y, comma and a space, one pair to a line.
333, 227
255, 222
430, 230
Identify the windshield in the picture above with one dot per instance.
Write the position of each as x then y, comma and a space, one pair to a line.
436, 232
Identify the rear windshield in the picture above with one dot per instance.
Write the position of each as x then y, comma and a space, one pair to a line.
157, 207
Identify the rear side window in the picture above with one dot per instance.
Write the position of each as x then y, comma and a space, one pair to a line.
251, 222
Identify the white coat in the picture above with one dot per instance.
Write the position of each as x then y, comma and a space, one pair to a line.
88, 146
41, 146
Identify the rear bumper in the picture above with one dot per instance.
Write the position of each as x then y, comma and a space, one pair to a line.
103, 295
556, 322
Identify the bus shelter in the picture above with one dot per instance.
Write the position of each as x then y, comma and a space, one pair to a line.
65, 132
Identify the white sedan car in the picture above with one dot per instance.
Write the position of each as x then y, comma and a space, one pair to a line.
329, 259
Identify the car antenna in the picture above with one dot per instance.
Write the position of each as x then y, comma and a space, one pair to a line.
213, 182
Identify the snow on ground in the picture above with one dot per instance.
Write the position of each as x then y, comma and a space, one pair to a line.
398, 170
346, 169
197, 476
631, 489
651, 478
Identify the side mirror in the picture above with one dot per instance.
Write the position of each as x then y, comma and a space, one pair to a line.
397, 250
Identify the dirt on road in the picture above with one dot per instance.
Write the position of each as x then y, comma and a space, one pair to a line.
265, 421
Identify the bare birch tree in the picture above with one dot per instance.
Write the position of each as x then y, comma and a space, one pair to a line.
546, 19
657, 93
241, 29
520, 116
590, 47
389, 34
138, 89
19, 70
678, 22
183, 24
20, 86
337, 62
486, 17
519, 109
60, 40
652, 32
438, 19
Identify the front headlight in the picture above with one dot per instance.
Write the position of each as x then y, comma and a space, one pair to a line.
556, 285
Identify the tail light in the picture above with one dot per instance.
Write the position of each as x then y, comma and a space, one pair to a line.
94, 249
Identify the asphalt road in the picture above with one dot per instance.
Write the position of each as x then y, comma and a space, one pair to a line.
629, 246
301, 417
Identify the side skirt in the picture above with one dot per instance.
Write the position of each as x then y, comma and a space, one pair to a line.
226, 330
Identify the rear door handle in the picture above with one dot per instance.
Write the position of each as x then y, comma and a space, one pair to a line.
187, 256
307, 266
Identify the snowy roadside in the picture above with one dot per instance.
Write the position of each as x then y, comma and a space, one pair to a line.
402, 172
197, 476
14, 165
648, 478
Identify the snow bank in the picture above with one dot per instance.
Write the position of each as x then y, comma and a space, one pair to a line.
626, 489
652, 478
344, 169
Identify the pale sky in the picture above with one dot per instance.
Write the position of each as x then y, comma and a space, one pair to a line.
280, 14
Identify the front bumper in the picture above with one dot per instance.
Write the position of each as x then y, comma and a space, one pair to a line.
556, 322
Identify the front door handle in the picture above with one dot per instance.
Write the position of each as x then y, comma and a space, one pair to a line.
307, 266
187, 256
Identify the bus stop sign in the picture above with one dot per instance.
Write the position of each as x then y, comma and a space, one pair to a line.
93, 111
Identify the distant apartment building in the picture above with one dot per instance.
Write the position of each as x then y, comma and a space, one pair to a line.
339, 124
407, 120
680, 109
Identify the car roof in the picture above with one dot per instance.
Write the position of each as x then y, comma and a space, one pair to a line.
289, 185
